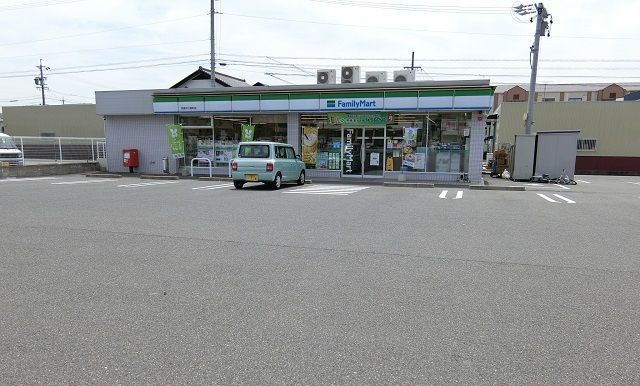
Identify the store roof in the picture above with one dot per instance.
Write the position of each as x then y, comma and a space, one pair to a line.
202, 73
330, 87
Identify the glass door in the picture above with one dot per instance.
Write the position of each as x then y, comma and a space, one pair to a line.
373, 152
352, 152
363, 152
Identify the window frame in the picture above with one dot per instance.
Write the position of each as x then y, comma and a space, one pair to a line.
291, 154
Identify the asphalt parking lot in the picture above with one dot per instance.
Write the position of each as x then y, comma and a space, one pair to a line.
141, 281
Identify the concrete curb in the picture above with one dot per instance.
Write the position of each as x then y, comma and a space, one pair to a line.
492, 187
407, 185
158, 177
103, 175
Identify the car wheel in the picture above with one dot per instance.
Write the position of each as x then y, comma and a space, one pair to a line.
277, 182
301, 178
238, 184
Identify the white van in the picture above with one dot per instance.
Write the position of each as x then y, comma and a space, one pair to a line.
9, 152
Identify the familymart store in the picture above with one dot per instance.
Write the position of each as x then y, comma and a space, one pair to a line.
431, 131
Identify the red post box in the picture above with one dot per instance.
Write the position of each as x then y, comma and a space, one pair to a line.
130, 159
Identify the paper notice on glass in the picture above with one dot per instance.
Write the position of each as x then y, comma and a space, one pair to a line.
374, 159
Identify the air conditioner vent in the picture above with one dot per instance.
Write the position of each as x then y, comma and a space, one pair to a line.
326, 76
350, 74
404, 76
376, 76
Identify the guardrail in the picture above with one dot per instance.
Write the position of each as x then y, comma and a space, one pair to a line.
60, 149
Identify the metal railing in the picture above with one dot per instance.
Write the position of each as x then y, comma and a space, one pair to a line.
202, 160
60, 149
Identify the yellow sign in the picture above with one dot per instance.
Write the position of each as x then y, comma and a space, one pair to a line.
389, 164
309, 145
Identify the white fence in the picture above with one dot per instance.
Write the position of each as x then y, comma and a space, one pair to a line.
59, 149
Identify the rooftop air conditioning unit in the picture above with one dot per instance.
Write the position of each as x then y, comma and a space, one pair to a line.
376, 76
326, 76
350, 74
404, 76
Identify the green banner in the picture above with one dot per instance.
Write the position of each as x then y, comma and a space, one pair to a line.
247, 133
360, 119
176, 140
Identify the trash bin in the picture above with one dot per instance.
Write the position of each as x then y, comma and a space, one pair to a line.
165, 165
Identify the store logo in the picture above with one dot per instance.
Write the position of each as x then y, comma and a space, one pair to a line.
351, 103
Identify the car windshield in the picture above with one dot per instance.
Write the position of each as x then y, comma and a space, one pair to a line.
6, 143
253, 151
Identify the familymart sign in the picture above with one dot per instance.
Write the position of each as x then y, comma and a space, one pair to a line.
470, 98
353, 102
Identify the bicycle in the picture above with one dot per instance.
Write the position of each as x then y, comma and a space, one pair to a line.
563, 180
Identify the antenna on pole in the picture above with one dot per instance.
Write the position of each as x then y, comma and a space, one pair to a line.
412, 63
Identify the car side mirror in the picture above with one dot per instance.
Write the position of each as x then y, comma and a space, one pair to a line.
297, 156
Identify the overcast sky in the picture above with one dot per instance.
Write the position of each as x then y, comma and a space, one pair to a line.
94, 45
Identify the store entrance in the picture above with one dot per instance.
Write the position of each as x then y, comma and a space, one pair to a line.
363, 152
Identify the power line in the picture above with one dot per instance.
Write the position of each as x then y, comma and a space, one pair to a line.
49, 54
37, 4
383, 28
419, 8
104, 31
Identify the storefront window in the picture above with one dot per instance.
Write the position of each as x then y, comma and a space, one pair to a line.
219, 142
406, 143
197, 132
321, 142
448, 149
230, 130
433, 142
413, 142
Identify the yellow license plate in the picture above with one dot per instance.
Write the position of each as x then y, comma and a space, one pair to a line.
251, 177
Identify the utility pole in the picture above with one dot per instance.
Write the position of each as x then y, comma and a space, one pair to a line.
41, 81
542, 27
213, 44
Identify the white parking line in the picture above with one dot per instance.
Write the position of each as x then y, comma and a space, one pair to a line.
547, 198
148, 184
333, 190
212, 187
444, 193
29, 179
583, 181
564, 198
562, 186
82, 182
635, 183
